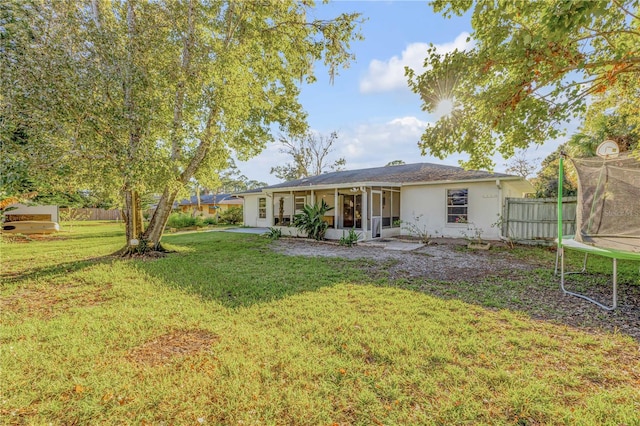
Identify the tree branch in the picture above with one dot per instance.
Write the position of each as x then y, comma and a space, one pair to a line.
617, 3
178, 108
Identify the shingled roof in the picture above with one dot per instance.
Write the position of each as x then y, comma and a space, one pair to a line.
401, 174
211, 199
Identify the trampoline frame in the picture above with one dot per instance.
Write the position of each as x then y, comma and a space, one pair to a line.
587, 249
570, 243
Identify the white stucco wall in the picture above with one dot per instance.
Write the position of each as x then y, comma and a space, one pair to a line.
250, 210
509, 191
484, 209
430, 201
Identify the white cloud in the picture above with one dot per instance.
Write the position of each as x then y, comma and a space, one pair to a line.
388, 75
259, 167
375, 144
363, 145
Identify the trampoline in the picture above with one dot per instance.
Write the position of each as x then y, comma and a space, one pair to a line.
607, 213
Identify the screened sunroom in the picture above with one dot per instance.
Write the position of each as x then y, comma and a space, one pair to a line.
371, 210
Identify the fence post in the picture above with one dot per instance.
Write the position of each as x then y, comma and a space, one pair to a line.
535, 220
505, 219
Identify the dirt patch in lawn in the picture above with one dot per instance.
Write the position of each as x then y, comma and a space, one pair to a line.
493, 278
447, 260
46, 304
179, 343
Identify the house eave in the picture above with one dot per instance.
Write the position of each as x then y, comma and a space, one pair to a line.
462, 181
398, 185
331, 186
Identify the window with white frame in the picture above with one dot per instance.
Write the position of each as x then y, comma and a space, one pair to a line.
262, 208
299, 207
457, 205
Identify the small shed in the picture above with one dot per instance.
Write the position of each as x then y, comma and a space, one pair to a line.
31, 219
23, 212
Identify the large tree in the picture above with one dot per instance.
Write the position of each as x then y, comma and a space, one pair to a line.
596, 129
142, 96
529, 67
622, 129
310, 156
521, 165
546, 180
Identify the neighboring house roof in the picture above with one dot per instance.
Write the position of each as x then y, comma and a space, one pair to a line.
404, 174
249, 191
211, 199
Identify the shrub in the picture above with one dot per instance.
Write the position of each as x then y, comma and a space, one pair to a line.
273, 234
311, 220
473, 233
183, 220
350, 239
211, 220
232, 215
416, 229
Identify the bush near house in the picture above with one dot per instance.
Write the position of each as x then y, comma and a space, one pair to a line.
184, 220
311, 220
210, 220
232, 216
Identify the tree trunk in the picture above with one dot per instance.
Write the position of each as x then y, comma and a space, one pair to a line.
133, 218
137, 211
134, 227
198, 199
160, 216
159, 219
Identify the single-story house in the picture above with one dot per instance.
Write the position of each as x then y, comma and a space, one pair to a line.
210, 204
388, 201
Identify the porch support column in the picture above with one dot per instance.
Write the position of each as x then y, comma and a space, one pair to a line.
336, 213
270, 206
293, 207
313, 197
365, 210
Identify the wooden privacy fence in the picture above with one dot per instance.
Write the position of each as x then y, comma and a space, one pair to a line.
90, 214
535, 220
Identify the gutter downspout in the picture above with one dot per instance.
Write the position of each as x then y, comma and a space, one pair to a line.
293, 207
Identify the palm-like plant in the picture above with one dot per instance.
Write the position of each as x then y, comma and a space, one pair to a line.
311, 220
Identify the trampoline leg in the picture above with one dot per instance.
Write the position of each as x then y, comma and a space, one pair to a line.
584, 264
582, 296
615, 283
561, 253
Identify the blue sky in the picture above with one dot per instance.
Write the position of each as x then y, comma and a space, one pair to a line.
370, 105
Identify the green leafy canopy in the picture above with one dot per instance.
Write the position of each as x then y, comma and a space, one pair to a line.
138, 96
530, 67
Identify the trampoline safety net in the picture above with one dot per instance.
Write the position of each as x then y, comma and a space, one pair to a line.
608, 213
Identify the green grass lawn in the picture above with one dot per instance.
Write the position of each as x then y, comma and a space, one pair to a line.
225, 331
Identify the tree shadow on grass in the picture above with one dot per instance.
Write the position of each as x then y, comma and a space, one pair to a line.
53, 271
240, 270
537, 294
